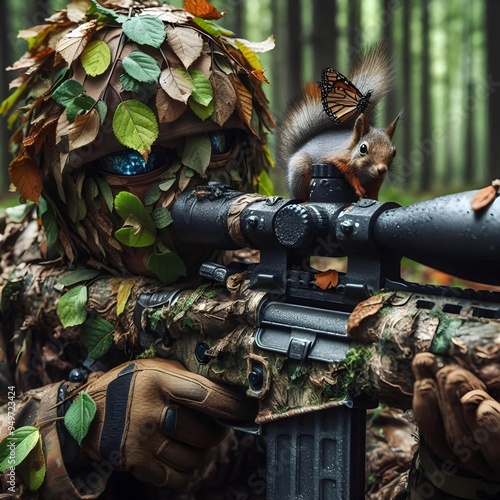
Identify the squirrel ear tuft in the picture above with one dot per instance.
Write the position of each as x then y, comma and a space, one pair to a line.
392, 126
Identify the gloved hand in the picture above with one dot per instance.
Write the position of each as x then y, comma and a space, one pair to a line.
456, 416
155, 419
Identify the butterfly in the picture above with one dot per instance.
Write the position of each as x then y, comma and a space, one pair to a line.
340, 97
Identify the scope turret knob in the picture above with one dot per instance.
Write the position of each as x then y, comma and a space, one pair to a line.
296, 225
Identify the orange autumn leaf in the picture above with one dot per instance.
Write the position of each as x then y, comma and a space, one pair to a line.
244, 104
202, 8
259, 74
328, 279
26, 175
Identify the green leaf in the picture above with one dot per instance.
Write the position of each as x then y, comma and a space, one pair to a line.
84, 102
143, 90
152, 195
102, 109
203, 112
203, 93
33, 472
78, 276
265, 184
16, 446
139, 229
97, 337
71, 306
161, 217
97, 7
145, 30
96, 58
167, 184
106, 192
211, 27
67, 91
141, 66
135, 126
49, 221
79, 416
167, 266
197, 153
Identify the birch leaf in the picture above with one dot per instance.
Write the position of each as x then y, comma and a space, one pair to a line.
177, 83
145, 30
197, 153
67, 91
72, 45
96, 58
186, 43
141, 67
135, 126
203, 93
168, 109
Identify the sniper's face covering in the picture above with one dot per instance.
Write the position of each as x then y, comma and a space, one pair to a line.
127, 108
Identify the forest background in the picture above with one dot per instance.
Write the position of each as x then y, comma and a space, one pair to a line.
447, 55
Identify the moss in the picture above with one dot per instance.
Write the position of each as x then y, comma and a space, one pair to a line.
445, 332
353, 379
148, 353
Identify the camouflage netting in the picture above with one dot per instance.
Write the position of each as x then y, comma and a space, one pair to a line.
170, 88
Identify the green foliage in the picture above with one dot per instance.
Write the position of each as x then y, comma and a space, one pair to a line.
79, 416
167, 266
138, 229
135, 126
71, 307
24, 440
96, 58
97, 336
145, 30
141, 67
197, 153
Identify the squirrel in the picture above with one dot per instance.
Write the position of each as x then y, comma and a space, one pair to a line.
307, 135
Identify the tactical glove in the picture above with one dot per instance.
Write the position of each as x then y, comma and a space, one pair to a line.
458, 419
155, 419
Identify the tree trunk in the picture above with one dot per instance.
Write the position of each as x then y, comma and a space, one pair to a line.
294, 47
426, 167
493, 75
324, 36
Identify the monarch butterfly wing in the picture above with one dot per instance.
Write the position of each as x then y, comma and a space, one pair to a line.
340, 104
341, 98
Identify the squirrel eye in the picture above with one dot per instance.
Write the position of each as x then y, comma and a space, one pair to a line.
363, 149
394, 153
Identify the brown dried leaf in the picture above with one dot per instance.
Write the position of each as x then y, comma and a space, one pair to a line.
186, 43
77, 10
204, 62
202, 8
224, 96
328, 279
26, 175
177, 83
168, 109
483, 198
244, 102
72, 45
79, 133
39, 131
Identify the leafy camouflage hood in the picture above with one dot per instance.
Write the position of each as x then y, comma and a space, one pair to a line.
108, 75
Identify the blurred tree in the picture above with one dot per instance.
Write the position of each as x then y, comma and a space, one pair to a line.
493, 77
